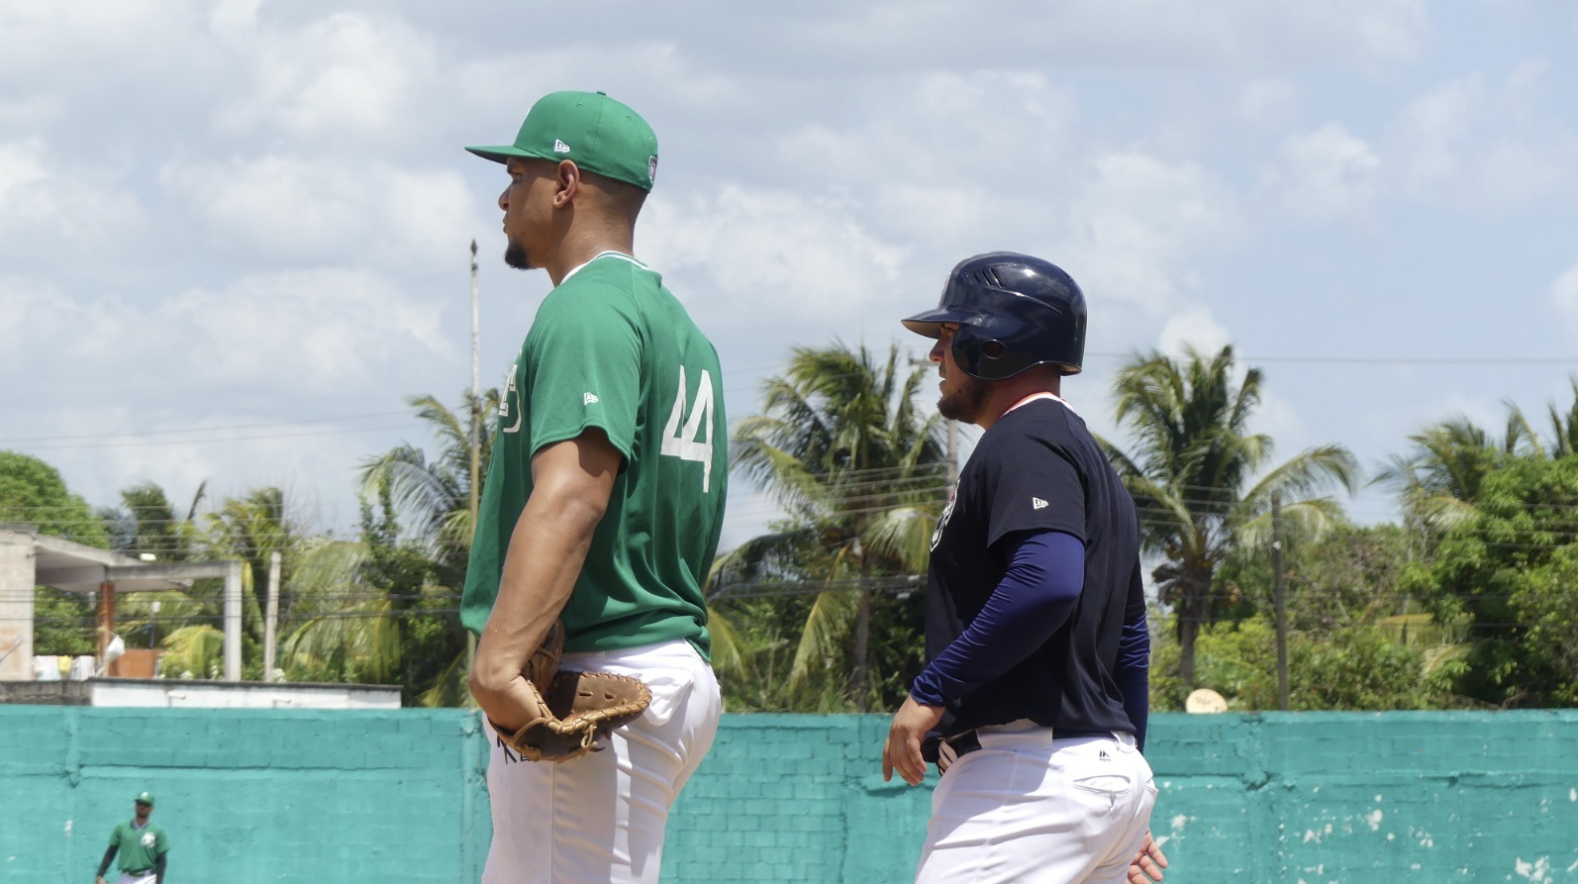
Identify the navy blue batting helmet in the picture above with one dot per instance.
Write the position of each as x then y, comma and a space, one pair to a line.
1013, 311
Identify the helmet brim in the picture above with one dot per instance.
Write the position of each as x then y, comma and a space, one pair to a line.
929, 323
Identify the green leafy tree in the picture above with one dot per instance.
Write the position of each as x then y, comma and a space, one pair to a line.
859, 470
1350, 575
403, 580
1191, 472
33, 493
382, 618
1508, 571
1360, 667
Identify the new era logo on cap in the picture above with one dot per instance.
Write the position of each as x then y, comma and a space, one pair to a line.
560, 146
1038, 503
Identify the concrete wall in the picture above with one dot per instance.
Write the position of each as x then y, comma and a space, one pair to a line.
255, 796
16, 606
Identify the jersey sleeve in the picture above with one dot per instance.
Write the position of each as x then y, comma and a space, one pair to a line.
115, 836
583, 369
1032, 487
161, 843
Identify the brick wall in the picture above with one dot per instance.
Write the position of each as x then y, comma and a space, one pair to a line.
326, 797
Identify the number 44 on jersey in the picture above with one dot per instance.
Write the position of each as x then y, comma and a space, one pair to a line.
681, 442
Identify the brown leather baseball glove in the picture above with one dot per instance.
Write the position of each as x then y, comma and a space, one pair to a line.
576, 708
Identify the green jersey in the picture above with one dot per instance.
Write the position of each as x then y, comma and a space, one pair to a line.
137, 849
612, 348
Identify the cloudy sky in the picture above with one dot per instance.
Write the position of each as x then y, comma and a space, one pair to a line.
234, 235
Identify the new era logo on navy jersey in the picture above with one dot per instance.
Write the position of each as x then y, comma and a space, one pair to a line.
1038, 503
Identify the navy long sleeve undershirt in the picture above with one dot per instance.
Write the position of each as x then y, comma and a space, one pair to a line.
1046, 572
1133, 675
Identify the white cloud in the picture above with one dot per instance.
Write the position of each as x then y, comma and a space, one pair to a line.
294, 209
344, 77
762, 259
1488, 143
45, 210
1326, 174
310, 327
295, 334
1267, 101
1123, 32
1564, 294
1141, 223
1194, 328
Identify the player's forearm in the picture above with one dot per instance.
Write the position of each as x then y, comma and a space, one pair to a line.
572, 482
158, 868
544, 559
109, 857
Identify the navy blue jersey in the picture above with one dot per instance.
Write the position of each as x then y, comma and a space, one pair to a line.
1039, 469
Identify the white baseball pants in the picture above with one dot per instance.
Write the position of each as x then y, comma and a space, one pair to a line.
600, 819
1029, 808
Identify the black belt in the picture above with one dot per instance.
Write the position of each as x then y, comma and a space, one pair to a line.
964, 743
135, 871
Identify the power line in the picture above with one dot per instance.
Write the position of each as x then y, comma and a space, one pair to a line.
1386, 360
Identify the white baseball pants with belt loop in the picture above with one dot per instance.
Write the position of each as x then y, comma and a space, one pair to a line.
1031, 808
600, 819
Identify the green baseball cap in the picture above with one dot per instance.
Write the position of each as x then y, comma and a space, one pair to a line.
144, 798
598, 133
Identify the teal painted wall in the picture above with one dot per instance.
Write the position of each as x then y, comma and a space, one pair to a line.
262, 796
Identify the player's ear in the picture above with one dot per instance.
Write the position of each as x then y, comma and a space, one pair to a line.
569, 177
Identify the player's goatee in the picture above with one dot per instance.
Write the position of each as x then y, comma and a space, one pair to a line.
964, 403
515, 256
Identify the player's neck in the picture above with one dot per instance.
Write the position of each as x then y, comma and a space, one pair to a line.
582, 244
1004, 396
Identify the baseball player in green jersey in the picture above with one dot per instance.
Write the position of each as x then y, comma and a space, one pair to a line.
602, 505
141, 844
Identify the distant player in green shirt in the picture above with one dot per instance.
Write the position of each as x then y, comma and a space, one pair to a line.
602, 505
142, 846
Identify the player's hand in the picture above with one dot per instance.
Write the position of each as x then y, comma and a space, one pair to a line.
99, 879
500, 689
1148, 863
902, 752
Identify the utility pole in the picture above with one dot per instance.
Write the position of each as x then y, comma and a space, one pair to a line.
476, 388
953, 456
271, 616
1282, 602
476, 425
953, 441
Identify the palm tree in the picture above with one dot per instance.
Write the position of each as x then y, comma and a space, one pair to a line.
859, 470
433, 498
1564, 429
368, 587
1192, 460
146, 525
1438, 482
